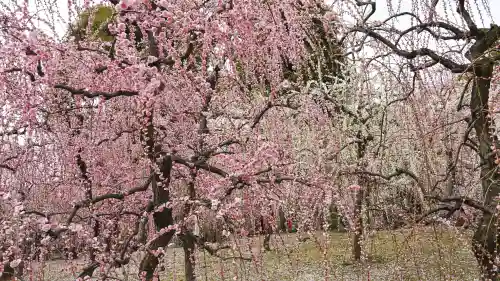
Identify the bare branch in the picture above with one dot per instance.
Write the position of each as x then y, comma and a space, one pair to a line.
457, 33
117, 136
268, 106
468, 19
448, 63
118, 196
372, 4
200, 165
450, 209
467, 201
90, 94
398, 172
7, 167
17, 69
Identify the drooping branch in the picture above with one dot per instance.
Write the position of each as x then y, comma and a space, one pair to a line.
280, 179
121, 196
213, 151
339, 107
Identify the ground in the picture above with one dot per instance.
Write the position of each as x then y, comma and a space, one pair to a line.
434, 253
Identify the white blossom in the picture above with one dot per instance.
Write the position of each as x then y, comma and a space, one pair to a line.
15, 263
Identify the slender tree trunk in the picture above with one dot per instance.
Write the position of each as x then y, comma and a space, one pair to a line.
267, 229
451, 184
485, 244
188, 246
334, 218
282, 220
357, 237
267, 239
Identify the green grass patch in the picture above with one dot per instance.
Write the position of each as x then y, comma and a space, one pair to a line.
410, 254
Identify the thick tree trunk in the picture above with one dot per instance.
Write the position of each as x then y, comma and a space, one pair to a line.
485, 244
161, 195
161, 219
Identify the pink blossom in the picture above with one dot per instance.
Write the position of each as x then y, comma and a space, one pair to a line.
124, 4
354, 187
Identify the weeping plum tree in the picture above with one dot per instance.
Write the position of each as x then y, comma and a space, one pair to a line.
446, 35
160, 129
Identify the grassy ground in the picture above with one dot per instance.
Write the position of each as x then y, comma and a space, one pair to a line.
426, 254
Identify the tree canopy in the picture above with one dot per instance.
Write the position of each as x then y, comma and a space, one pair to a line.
205, 124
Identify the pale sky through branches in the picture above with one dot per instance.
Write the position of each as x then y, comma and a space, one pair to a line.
54, 9
382, 11
445, 11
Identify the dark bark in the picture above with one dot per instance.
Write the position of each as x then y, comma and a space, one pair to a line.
267, 230
333, 217
159, 185
267, 240
484, 241
161, 220
485, 244
452, 169
8, 273
282, 220
188, 245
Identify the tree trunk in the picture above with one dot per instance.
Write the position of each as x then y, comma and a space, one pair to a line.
357, 237
334, 218
8, 273
161, 195
189, 258
484, 242
161, 219
451, 184
267, 239
282, 220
